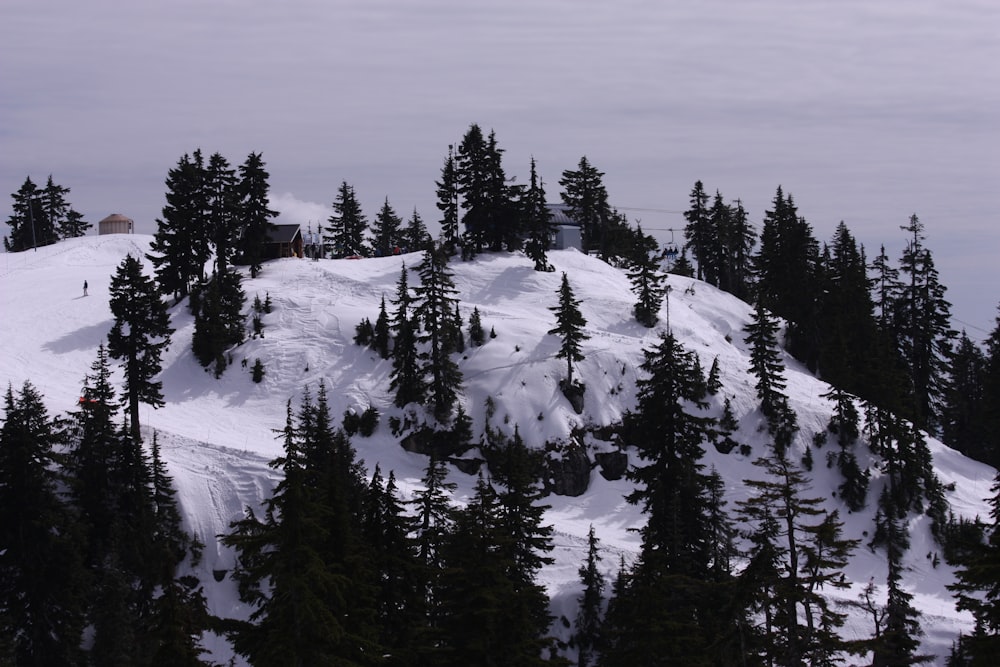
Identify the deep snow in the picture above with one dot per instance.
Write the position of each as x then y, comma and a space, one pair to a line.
217, 435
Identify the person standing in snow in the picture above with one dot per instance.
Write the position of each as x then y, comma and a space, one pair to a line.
85, 288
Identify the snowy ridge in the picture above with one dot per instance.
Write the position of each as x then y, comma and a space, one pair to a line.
217, 435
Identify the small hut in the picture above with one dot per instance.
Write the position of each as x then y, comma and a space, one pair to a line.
116, 223
283, 241
568, 233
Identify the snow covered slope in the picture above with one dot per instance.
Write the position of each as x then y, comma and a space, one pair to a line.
217, 434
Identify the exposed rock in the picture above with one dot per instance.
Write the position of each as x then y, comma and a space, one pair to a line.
568, 473
612, 465
468, 466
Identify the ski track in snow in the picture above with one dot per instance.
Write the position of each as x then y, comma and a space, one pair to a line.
217, 435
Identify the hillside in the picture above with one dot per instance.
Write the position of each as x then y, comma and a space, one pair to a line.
217, 435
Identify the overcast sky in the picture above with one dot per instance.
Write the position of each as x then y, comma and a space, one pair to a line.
864, 111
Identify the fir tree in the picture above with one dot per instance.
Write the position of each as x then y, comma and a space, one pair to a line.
788, 283
180, 247
399, 603
42, 580
647, 285
434, 304
447, 193
798, 550
766, 365
977, 588
698, 230
476, 333
29, 226
538, 222
669, 607
415, 235
587, 198
387, 232
922, 321
963, 407
848, 312
293, 565
380, 332
347, 225
222, 210
482, 184
138, 337
569, 327
736, 239
587, 636
254, 224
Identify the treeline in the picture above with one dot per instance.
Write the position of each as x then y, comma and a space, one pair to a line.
95, 567
343, 569
876, 330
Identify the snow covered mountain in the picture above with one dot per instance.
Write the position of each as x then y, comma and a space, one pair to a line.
217, 434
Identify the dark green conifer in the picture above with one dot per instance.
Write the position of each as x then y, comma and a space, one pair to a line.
42, 580
569, 327
138, 337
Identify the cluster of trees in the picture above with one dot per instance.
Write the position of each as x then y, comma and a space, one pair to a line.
877, 331
219, 214
42, 216
340, 569
95, 566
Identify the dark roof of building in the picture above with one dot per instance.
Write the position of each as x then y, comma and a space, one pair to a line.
560, 215
283, 233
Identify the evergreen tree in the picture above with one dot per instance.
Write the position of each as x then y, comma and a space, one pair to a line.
526, 541
74, 225
218, 319
587, 198
447, 192
538, 222
292, 564
476, 333
569, 327
415, 236
222, 211
698, 230
922, 321
138, 337
899, 640
737, 239
387, 231
990, 417
42, 581
767, 367
399, 603
434, 304
482, 184
647, 285
798, 550
347, 225
977, 588
434, 517
406, 378
56, 209
482, 607
963, 426
847, 310
670, 606
180, 247
29, 226
254, 223
788, 283
380, 332
587, 636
